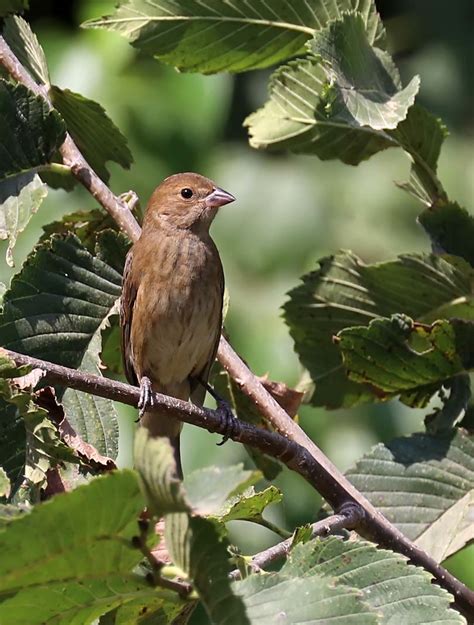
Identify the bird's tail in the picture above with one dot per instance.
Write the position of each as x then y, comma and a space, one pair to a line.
164, 425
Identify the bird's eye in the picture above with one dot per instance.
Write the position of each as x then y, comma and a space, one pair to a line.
187, 193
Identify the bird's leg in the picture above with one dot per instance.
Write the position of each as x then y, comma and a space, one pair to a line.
223, 409
146, 395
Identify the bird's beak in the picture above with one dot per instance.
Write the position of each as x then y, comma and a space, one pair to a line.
218, 197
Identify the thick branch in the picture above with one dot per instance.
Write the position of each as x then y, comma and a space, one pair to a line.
292, 454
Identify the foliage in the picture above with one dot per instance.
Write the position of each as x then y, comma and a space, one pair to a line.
365, 333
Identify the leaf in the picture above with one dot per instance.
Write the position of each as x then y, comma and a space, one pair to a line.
249, 505
30, 133
84, 224
4, 484
96, 524
396, 355
94, 133
310, 600
365, 81
208, 489
54, 310
395, 590
345, 292
20, 198
450, 228
25, 46
194, 36
12, 6
161, 609
417, 482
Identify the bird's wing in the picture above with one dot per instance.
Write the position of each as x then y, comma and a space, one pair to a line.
198, 391
127, 302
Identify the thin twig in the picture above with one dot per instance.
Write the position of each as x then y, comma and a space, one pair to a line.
348, 518
292, 454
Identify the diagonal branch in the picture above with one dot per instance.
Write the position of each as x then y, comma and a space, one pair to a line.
336, 489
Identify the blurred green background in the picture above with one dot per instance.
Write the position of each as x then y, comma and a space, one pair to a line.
290, 210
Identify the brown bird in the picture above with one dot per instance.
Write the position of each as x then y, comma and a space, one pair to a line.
171, 306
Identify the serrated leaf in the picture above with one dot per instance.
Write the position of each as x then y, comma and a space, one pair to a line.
194, 36
365, 81
30, 133
12, 6
20, 198
345, 292
4, 484
450, 228
84, 224
96, 524
54, 310
310, 600
208, 489
249, 505
417, 482
395, 590
94, 133
396, 355
25, 46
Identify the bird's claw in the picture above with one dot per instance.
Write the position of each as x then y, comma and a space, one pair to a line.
146, 396
228, 420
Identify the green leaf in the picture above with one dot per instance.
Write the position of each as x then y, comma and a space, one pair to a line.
25, 46
310, 600
424, 485
249, 505
12, 6
395, 590
95, 524
20, 198
451, 229
30, 133
55, 310
365, 81
345, 292
94, 133
86, 225
162, 609
396, 355
4, 484
224, 37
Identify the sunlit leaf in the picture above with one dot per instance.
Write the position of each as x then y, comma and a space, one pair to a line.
25, 46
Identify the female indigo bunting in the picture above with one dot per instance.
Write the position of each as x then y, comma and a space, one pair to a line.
171, 306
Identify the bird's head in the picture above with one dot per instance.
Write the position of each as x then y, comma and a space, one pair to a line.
186, 201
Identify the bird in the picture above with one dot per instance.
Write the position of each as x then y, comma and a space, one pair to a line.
172, 297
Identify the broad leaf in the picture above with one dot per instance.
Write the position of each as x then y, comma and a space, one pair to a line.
365, 82
194, 36
395, 590
397, 355
94, 133
54, 310
345, 292
312, 601
161, 609
20, 198
423, 484
25, 46
450, 228
30, 134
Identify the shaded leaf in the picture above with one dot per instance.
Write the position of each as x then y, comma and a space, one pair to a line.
12, 6
310, 600
396, 355
30, 133
417, 482
25, 46
162, 609
194, 36
450, 228
54, 310
345, 292
395, 590
20, 198
365, 82
94, 133
84, 224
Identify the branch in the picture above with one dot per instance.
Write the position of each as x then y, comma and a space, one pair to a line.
337, 491
348, 518
293, 447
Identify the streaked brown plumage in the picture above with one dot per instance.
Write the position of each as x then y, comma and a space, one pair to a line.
171, 306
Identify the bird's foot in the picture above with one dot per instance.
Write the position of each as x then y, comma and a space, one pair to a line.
146, 396
228, 419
